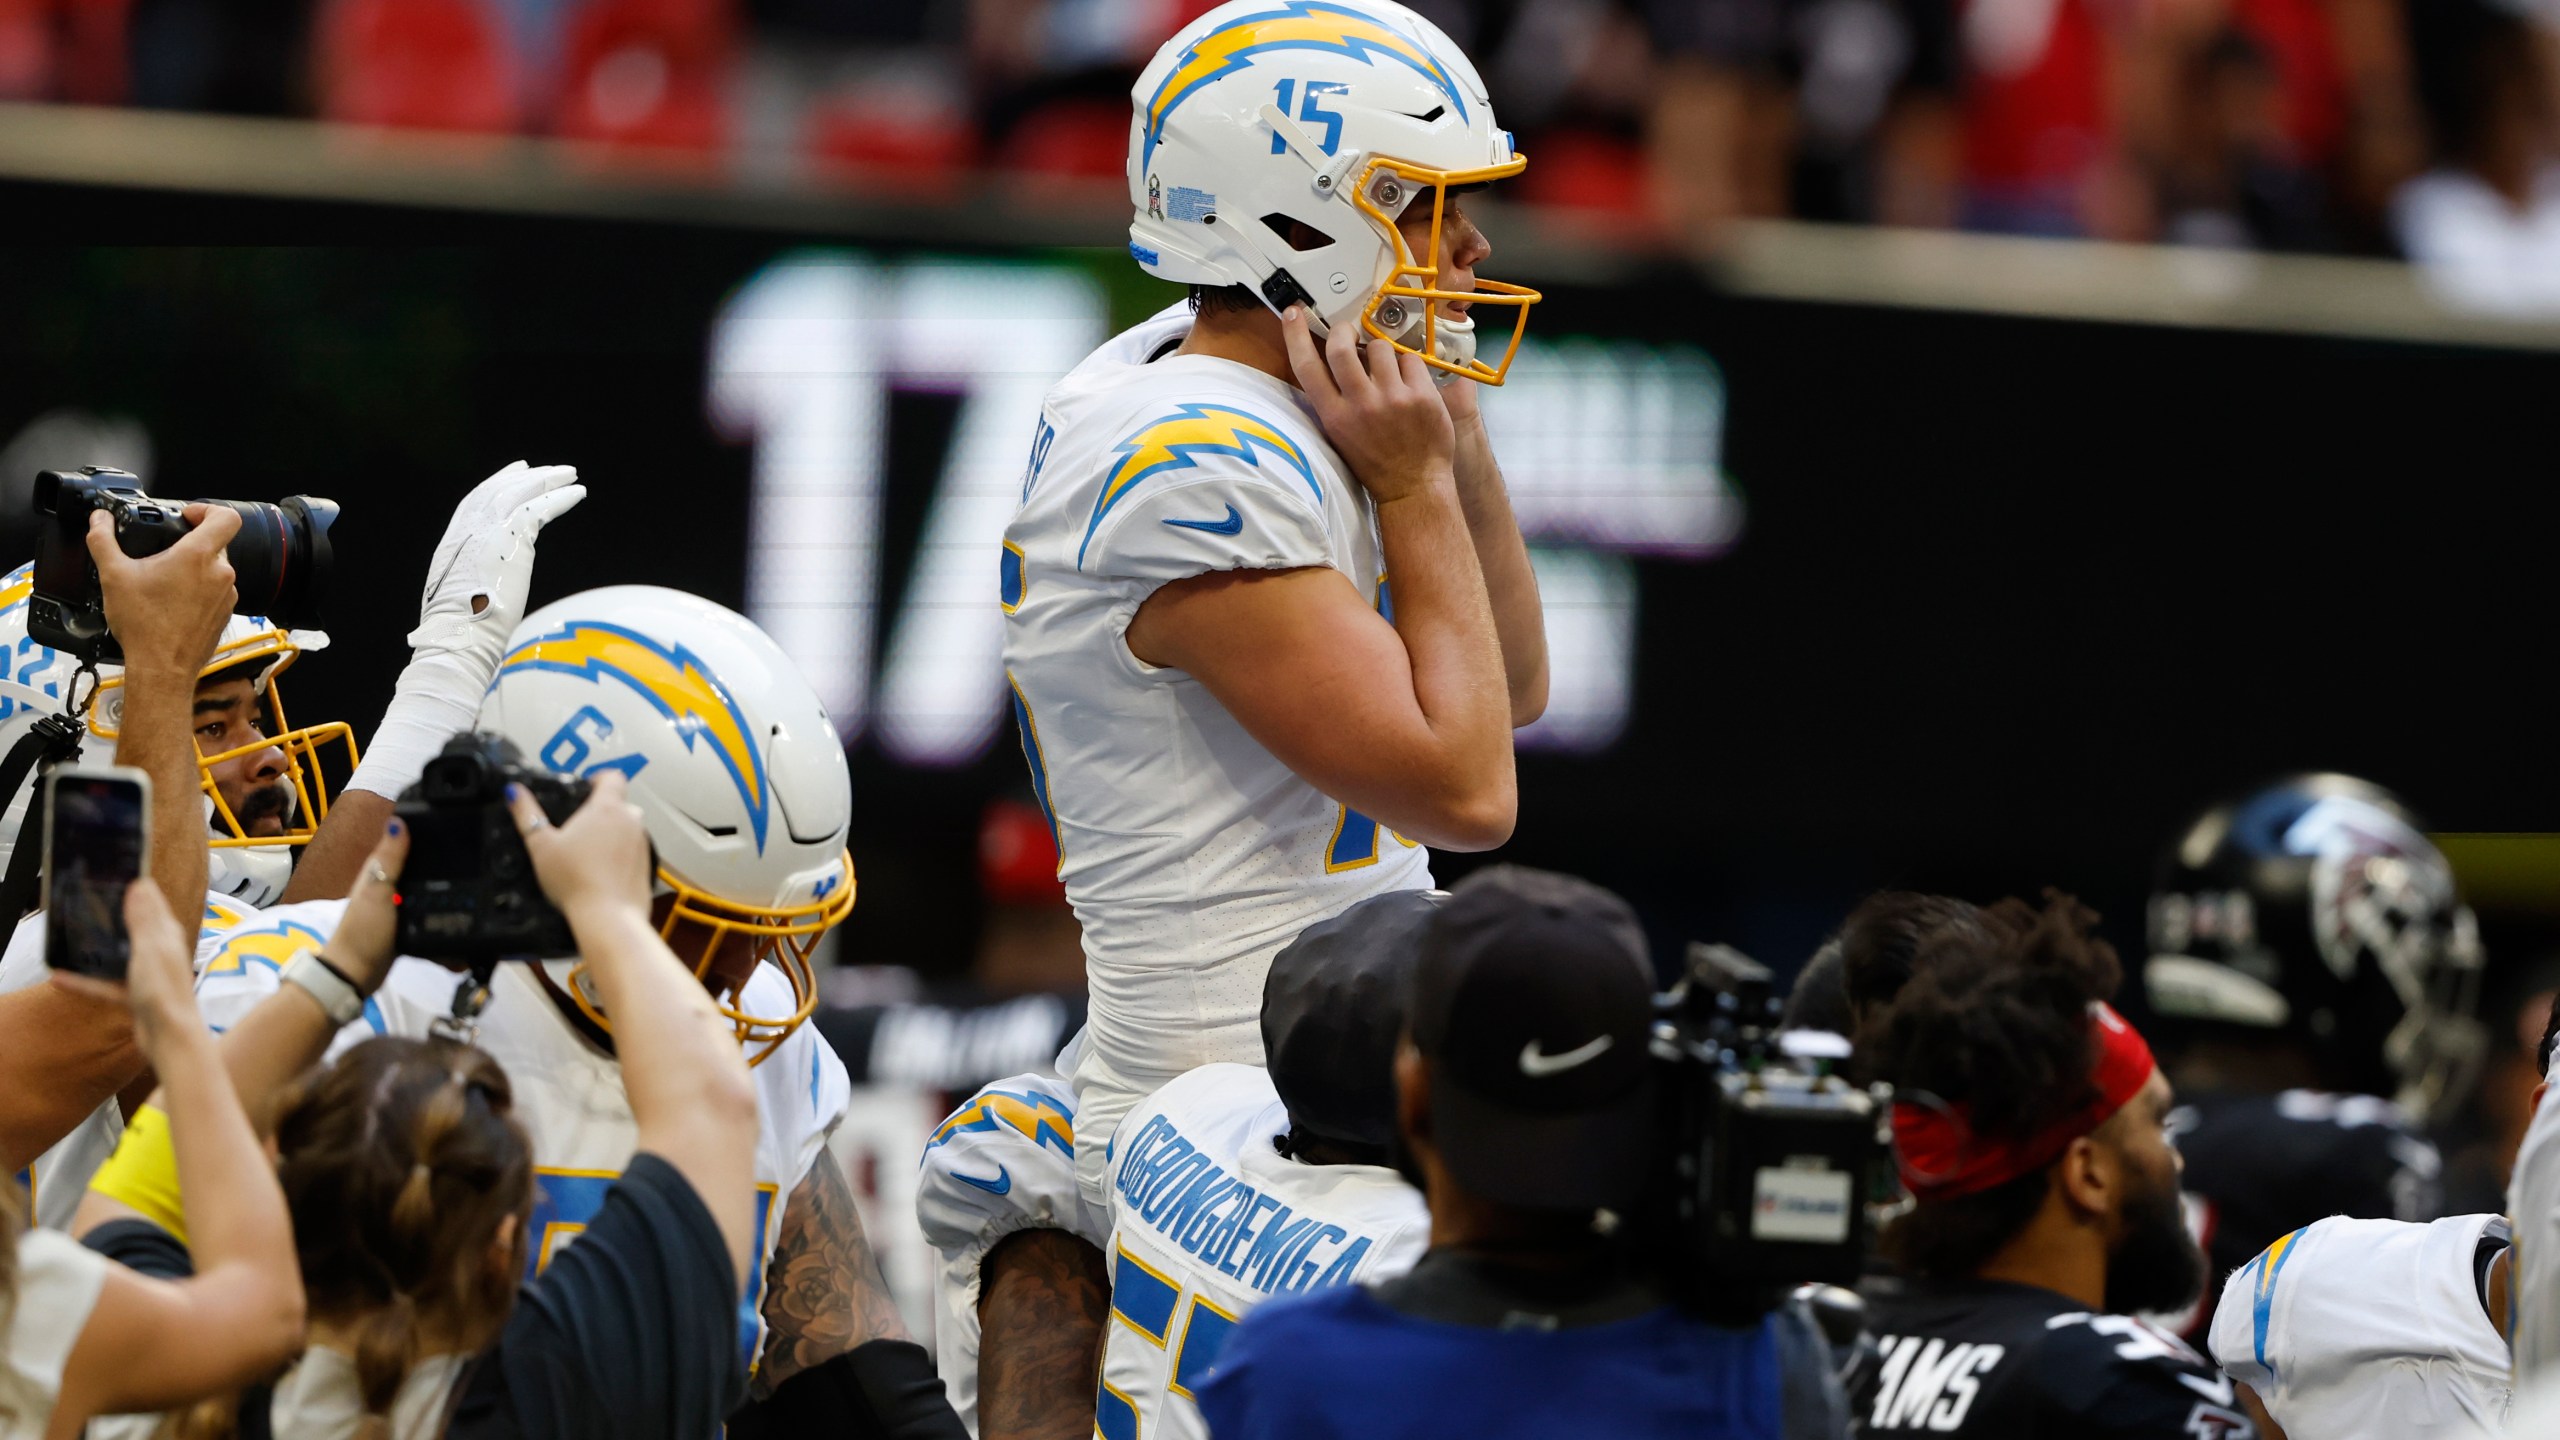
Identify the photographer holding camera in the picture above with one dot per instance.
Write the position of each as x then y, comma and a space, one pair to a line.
411, 1184
1527, 1111
63, 1054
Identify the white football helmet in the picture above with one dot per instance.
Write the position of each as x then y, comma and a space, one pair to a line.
250, 869
1336, 114
729, 755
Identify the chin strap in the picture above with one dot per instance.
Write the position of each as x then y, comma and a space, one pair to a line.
52, 740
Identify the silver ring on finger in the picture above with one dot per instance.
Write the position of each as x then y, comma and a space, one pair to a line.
380, 876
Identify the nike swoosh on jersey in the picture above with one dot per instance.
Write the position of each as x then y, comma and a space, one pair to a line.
1232, 525
1002, 1184
1537, 1066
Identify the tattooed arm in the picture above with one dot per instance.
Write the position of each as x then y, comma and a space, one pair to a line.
824, 1293
1043, 1299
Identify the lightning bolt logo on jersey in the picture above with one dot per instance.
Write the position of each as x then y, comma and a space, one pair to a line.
1180, 441
1190, 852
569, 1095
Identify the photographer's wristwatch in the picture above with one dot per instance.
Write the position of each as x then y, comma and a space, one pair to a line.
339, 998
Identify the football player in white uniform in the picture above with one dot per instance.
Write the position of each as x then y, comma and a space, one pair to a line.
1232, 1184
741, 777
1234, 729
2383, 1327
264, 787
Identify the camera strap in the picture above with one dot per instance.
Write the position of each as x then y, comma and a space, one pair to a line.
51, 741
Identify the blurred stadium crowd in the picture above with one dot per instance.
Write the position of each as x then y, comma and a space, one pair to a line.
2337, 126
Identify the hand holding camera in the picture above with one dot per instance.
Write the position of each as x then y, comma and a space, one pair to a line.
158, 981
597, 866
166, 611
471, 891
278, 555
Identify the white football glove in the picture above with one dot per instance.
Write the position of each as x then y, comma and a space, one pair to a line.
487, 555
485, 559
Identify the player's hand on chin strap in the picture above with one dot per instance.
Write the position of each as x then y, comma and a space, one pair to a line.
475, 595
1377, 405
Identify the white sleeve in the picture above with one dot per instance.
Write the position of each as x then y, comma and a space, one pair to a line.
58, 1282
2533, 1206
1243, 496
1003, 1162
22, 963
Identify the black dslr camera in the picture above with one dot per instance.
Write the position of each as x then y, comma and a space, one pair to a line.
1772, 1162
281, 555
468, 891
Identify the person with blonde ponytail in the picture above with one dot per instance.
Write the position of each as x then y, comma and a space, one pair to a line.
80, 1336
410, 1181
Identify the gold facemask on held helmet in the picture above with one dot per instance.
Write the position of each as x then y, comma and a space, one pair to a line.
258, 652
734, 765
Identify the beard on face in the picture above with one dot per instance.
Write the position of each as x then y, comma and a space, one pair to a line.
271, 801
2157, 1268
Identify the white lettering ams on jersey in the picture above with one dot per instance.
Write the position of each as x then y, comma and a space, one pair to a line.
61, 1174
2367, 1327
1208, 1220
568, 1093
1190, 852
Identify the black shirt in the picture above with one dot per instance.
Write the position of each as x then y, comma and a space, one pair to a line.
2262, 1166
1998, 1361
630, 1332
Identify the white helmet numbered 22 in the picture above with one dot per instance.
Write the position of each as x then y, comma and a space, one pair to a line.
731, 759
250, 869
1338, 115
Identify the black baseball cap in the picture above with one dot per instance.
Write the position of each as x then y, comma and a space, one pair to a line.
1333, 1011
1533, 1001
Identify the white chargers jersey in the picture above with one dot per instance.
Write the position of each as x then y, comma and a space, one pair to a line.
2350, 1328
568, 1093
1208, 1220
61, 1175
1003, 1162
1191, 853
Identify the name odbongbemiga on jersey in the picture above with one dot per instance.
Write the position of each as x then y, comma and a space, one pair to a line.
1175, 1189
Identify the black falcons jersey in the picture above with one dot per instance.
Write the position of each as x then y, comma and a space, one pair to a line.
2014, 1362
2262, 1166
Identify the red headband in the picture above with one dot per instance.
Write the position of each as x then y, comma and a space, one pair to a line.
1941, 1158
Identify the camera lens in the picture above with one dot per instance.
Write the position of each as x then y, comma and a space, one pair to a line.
281, 557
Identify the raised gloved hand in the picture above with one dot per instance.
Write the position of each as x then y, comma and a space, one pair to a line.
475, 595
482, 569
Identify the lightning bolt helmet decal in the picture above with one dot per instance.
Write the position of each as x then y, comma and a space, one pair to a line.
1297, 25
674, 681
1178, 440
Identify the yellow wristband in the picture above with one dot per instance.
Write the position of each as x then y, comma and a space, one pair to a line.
143, 1173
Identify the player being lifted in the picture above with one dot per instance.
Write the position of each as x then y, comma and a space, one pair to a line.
1234, 729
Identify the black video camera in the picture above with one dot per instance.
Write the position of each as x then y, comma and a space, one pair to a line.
281, 555
1772, 1163
468, 891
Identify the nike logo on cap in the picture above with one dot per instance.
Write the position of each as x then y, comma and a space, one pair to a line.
1232, 525
1537, 1065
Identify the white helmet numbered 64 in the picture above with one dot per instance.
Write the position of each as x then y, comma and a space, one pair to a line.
252, 869
1335, 114
734, 764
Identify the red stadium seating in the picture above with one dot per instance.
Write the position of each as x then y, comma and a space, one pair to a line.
430, 64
